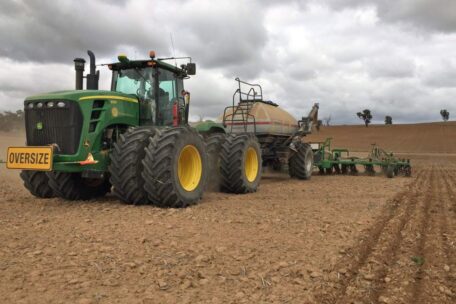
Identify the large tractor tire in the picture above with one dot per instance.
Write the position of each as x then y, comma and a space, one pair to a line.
37, 183
72, 186
214, 144
126, 165
175, 168
300, 163
241, 164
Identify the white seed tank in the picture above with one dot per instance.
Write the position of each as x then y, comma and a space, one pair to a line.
269, 119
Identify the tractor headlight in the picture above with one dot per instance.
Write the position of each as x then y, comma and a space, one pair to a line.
39, 105
61, 104
50, 104
30, 105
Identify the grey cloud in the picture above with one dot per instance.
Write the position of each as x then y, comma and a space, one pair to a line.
434, 15
390, 67
441, 74
347, 55
223, 34
57, 31
439, 15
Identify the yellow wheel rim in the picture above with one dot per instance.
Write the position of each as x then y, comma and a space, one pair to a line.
251, 164
189, 168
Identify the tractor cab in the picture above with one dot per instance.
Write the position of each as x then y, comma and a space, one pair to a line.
157, 85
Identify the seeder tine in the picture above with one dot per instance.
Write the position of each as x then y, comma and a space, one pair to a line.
344, 169
369, 170
353, 170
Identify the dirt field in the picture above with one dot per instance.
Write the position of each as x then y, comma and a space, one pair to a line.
333, 239
416, 138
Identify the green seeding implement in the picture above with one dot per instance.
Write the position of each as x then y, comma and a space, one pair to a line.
339, 161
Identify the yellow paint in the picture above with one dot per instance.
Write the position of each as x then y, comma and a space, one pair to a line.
251, 164
109, 97
114, 112
189, 168
30, 158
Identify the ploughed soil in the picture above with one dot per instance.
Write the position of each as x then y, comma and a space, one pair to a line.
436, 137
333, 239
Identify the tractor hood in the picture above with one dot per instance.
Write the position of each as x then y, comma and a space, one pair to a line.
77, 95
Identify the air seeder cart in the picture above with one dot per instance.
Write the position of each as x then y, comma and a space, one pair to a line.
253, 133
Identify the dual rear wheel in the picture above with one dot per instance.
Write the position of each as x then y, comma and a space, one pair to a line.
240, 164
164, 167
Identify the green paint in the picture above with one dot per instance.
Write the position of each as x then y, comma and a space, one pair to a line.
127, 115
209, 126
327, 158
120, 110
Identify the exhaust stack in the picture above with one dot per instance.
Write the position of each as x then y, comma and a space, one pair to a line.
93, 76
79, 65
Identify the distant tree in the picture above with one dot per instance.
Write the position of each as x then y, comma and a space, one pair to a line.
445, 114
366, 116
327, 120
388, 120
11, 120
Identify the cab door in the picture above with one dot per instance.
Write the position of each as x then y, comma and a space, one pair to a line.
170, 101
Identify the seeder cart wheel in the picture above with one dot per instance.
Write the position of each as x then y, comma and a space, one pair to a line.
241, 164
390, 171
353, 170
300, 163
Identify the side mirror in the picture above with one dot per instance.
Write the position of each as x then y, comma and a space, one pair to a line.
191, 68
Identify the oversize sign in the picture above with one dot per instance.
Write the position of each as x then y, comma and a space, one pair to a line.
30, 158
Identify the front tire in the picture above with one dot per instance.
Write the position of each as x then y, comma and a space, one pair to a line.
241, 164
72, 186
37, 183
126, 165
301, 163
175, 168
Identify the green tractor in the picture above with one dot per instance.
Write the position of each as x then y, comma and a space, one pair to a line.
133, 140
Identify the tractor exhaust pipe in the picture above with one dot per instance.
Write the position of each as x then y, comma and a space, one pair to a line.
79, 64
93, 76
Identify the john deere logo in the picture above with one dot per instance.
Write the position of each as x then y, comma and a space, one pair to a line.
39, 126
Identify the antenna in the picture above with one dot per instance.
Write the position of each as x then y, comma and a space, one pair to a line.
172, 45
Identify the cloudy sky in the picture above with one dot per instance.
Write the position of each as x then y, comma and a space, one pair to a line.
394, 57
